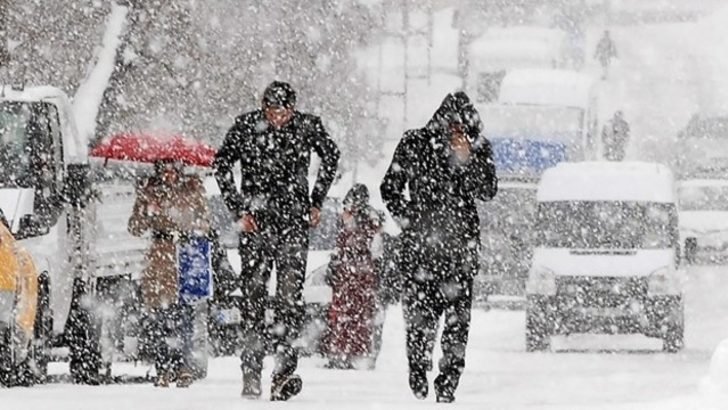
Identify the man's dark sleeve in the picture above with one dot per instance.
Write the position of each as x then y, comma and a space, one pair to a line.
394, 183
329, 153
480, 180
225, 159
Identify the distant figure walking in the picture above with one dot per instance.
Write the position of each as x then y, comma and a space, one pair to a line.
605, 52
615, 136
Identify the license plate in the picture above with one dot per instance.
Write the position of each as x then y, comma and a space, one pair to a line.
229, 316
604, 312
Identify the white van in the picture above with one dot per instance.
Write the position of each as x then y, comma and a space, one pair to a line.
607, 254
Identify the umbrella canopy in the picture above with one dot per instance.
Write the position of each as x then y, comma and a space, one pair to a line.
152, 148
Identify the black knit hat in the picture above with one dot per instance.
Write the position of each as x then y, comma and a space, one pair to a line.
279, 94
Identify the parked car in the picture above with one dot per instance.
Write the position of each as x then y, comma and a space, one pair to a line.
702, 151
704, 220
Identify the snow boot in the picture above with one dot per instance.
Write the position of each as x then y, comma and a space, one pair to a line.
184, 378
251, 385
444, 389
162, 380
285, 387
418, 383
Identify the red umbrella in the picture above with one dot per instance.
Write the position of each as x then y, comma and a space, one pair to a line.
152, 148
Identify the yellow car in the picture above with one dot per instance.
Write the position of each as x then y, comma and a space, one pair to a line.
18, 308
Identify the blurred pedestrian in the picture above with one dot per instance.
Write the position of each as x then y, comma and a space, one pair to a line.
615, 137
275, 211
605, 52
445, 167
172, 208
354, 282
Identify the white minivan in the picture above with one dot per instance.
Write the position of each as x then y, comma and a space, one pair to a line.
607, 254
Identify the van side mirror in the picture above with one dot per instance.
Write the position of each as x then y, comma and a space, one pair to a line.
31, 226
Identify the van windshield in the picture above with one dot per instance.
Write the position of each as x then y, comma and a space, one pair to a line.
704, 198
25, 143
606, 225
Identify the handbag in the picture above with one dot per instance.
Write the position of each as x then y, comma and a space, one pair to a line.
194, 267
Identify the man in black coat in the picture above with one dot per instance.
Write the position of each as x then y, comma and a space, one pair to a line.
445, 166
273, 146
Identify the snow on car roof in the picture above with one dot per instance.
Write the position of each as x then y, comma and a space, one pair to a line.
502, 55
607, 181
535, 33
31, 93
546, 87
703, 183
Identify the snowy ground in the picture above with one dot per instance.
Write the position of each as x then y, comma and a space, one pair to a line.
585, 372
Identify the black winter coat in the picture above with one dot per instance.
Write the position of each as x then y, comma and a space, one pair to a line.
274, 165
441, 208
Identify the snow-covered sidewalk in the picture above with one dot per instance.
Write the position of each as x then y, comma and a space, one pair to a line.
603, 372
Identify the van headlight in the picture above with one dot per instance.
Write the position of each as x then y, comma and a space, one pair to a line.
663, 281
541, 281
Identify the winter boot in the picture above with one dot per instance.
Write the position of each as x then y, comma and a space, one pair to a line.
418, 383
444, 389
184, 378
251, 385
162, 380
285, 387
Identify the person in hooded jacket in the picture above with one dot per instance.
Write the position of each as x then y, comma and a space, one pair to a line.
615, 137
354, 282
273, 146
445, 166
171, 207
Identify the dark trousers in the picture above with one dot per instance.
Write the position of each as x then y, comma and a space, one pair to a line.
170, 331
438, 282
286, 249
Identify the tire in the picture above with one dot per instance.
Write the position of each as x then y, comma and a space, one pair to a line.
538, 338
6, 359
43, 330
673, 340
691, 250
82, 336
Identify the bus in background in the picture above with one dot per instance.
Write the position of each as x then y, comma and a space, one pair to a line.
542, 118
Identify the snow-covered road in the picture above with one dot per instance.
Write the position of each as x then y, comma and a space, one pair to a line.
584, 372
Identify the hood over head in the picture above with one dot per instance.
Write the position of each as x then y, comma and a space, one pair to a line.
456, 108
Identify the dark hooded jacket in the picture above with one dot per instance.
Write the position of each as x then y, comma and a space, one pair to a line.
441, 207
274, 165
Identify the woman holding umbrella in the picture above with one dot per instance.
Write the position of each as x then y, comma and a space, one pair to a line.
172, 208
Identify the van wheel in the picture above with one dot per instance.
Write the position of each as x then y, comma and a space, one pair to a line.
43, 329
82, 335
673, 339
537, 334
691, 250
